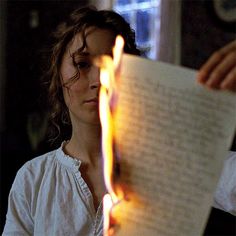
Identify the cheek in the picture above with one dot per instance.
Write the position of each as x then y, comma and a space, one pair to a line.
80, 86
75, 93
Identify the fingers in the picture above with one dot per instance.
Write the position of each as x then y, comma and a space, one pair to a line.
229, 82
228, 48
208, 67
219, 70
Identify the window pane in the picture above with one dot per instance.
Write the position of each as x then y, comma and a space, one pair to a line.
142, 0
143, 29
126, 16
122, 2
144, 18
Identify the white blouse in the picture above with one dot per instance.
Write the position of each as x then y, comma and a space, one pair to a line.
49, 197
225, 195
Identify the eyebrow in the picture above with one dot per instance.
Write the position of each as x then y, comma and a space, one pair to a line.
85, 54
79, 53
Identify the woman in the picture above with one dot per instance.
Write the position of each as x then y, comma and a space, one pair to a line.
60, 193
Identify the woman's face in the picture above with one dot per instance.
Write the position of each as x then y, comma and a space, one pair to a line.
81, 95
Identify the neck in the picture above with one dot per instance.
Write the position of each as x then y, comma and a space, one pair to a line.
85, 143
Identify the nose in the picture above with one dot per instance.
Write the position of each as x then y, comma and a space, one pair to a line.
95, 78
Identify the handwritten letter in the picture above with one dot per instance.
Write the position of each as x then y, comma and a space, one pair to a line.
172, 136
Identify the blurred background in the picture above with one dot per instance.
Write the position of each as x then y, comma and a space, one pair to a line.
183, 32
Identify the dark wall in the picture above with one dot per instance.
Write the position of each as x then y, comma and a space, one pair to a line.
28, 27
203, 33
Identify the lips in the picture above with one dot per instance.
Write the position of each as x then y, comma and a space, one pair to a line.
91, 101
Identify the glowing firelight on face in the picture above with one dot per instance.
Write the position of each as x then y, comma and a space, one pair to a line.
108, 67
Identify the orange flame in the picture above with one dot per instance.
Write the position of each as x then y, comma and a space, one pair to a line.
108, 67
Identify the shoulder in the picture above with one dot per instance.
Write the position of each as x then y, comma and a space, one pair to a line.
39, 162
34, 170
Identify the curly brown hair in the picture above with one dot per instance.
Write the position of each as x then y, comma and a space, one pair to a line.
78, 21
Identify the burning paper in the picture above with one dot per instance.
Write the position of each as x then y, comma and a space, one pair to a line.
107, 96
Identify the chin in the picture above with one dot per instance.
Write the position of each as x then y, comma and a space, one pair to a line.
95, 121
98, 123
89, 119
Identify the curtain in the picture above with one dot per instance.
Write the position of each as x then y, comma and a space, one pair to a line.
168, 49
102, 4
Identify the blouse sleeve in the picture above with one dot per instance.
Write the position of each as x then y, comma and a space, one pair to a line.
18, 219
225, 195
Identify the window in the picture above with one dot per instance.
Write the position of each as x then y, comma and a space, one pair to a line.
144, 17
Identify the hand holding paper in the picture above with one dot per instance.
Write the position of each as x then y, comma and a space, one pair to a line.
220, 69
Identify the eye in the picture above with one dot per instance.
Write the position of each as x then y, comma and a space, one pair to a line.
83, 65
